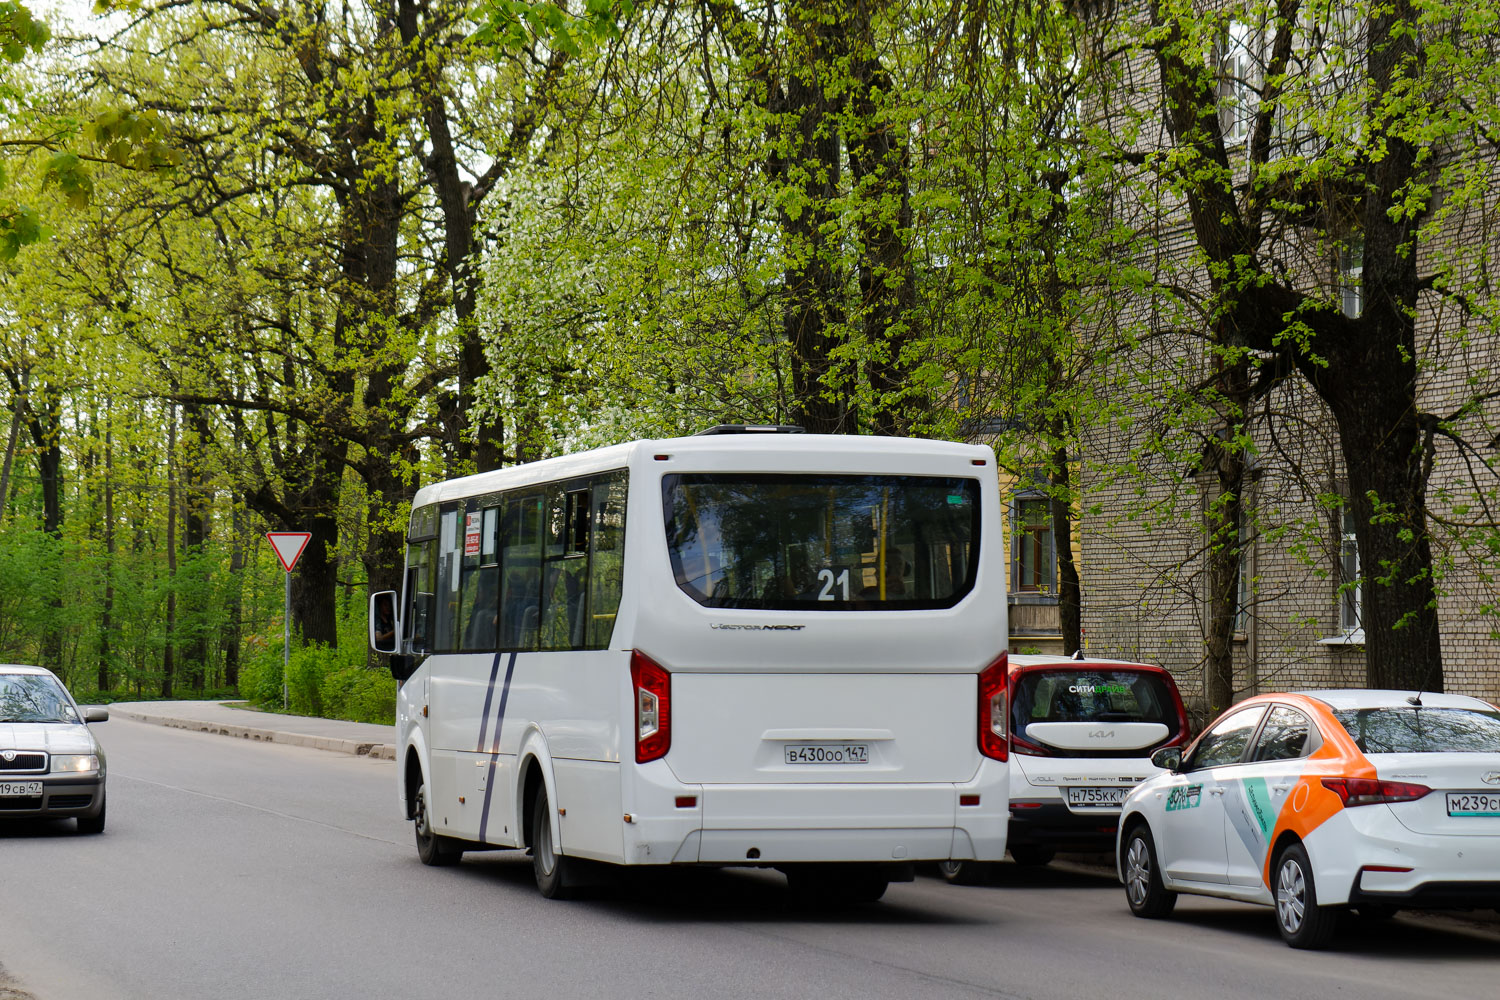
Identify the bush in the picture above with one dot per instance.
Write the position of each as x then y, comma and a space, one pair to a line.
260, 677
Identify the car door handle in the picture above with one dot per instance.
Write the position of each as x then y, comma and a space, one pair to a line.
1282, 786
1216, 791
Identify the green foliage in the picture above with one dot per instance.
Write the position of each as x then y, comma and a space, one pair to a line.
20, 33
322, 681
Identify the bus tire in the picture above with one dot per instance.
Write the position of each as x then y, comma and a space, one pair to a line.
553, 871
1032, 855
965, 872
433, 848
836, 884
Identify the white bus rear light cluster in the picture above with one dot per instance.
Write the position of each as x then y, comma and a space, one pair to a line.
653, 708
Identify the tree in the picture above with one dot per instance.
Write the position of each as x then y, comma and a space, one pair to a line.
1297, 133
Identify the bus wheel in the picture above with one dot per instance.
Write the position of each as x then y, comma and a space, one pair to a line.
552, 870
1032, 855
433, 848
836, 885
965, 872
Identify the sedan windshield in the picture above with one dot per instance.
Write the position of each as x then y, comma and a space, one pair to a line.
1422, 730
822, 542
34, 698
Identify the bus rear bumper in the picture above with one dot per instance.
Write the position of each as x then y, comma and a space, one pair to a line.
767, 824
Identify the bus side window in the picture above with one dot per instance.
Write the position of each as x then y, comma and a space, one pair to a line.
564, 580
480, 607
417, 619
446, 585
606, 559
521, 571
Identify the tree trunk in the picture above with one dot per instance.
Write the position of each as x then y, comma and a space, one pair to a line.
107, 612
169, 663
880, 165
236, 610
1069, 587
811, 294
10, 454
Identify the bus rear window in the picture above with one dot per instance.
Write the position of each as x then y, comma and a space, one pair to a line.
822, 542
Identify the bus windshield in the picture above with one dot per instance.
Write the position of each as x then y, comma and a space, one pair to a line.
822, 542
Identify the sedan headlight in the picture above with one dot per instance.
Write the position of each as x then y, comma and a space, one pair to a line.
74, 763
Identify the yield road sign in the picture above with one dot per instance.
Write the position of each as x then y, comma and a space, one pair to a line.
288, 546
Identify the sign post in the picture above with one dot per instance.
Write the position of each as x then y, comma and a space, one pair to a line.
288, 546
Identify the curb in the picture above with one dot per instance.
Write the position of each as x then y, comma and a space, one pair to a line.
377, 751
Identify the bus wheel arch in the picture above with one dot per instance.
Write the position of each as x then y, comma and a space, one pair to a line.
411, 780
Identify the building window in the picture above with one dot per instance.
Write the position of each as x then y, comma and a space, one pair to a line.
1243, 596
1351, 278
1239, 56
1350, 588
1033, 554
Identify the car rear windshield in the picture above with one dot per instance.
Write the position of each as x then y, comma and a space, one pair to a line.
822, 542
1092, 696
1422, 730
33, 698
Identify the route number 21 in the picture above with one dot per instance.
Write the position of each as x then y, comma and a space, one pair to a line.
829, 581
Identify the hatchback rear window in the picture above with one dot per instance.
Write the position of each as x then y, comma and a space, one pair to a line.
1064, 695
1421, 730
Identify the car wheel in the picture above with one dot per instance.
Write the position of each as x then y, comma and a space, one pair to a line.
1143, 886
1032, 855
1302, 922
93, 824
433, 848
552, 870
965, 872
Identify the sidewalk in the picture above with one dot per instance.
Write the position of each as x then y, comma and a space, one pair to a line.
225, 718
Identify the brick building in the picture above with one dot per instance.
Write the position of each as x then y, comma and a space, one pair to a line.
1142, 545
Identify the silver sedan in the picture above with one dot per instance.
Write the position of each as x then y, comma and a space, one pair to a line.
51, 766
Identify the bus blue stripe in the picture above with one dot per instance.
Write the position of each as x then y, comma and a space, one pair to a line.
484, 717
489, 781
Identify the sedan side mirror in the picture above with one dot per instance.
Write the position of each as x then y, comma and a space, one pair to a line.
1168, 758
94, 713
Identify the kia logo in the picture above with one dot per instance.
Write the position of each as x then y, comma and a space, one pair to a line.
1493, 778
1102, 734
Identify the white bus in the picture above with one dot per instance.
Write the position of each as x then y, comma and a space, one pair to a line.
766, 649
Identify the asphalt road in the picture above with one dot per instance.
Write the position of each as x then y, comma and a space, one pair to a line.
234, 869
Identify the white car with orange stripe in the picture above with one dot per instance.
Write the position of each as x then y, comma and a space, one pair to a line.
1317, 802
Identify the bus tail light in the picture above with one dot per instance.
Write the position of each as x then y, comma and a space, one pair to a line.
653, 708
994, 741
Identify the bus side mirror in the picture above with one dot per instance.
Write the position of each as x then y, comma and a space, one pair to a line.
383, 624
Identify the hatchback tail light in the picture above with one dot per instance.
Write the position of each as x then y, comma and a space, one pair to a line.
1371, 791
994, 740
653, 707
